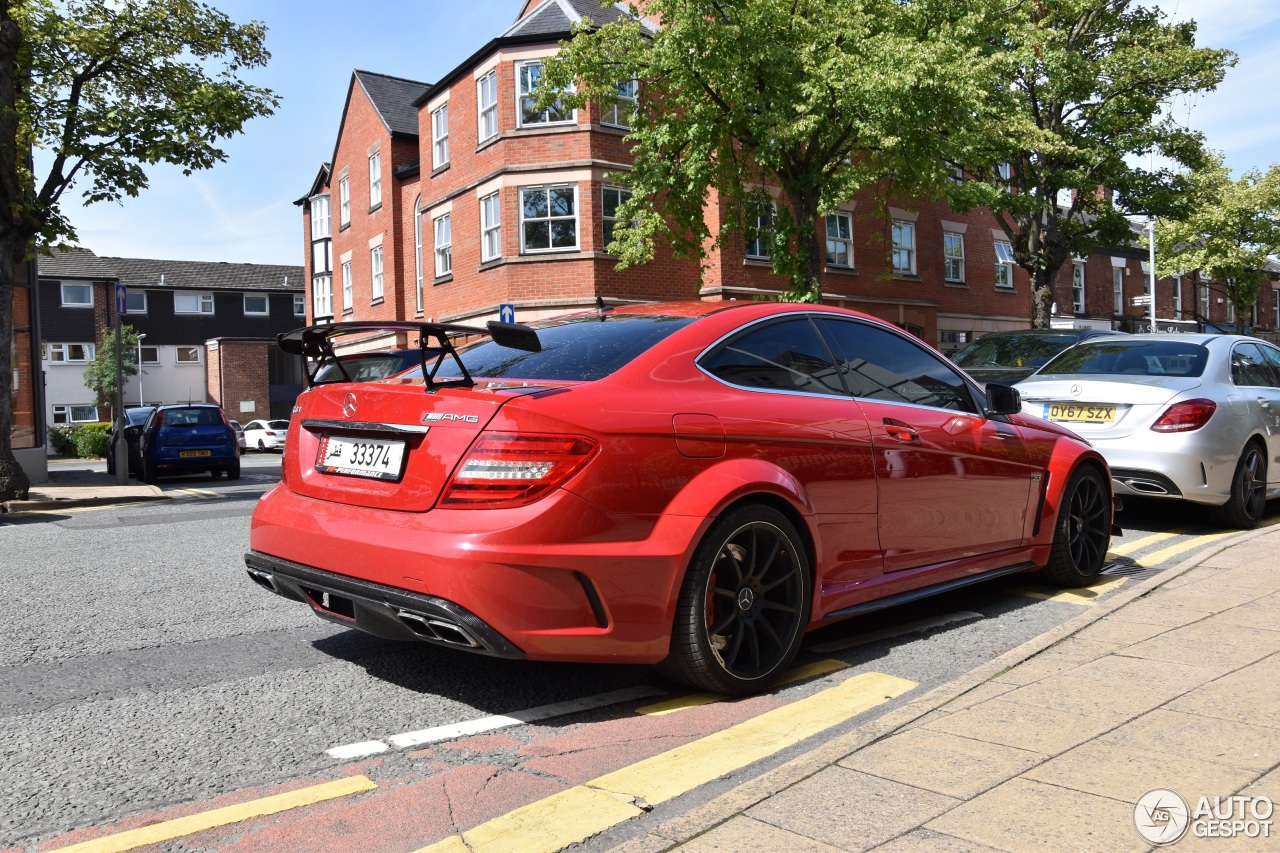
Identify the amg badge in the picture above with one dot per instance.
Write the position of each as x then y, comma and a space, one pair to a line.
437, 417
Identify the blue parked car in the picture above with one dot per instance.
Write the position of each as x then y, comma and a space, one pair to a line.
186, 438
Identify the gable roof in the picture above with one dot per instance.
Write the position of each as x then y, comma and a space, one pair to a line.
392, 99
318, 184
74, 263
206, 275
556, 17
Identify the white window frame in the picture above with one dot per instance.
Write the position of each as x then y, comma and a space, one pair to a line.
1205, 304
375, 178
842, 237
521, 95
627, 93
608, 223
321, 227
760, 246
348, 294
77, 286
204, 303
196, 351
1117, 290
1077, 287
1177, 296
487, 106
344, 201
377, 276
953, 257
62, 353
440, 136
154, 352
322, 297
491, 227
418, 214
299, 305
903, 250
1004, 264
442, 228
67, 413
136, 294
549, 219
266, 305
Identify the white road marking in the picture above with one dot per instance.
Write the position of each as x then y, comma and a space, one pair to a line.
488, 724
897, 631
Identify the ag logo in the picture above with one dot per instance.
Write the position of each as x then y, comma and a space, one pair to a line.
1161, 816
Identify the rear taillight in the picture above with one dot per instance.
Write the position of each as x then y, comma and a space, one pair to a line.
159, 419
1185, 416
504, 469
226, 422
270, 433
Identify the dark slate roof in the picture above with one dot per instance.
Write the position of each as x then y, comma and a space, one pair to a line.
555, 17
205, 275
74, 263
393, 98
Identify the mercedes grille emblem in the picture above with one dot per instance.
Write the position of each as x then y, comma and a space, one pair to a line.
349, 405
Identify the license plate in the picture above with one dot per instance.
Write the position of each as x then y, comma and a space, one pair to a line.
187, 454
1079, 413
376, 458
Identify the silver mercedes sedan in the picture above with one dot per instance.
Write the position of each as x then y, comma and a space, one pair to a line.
1186, 416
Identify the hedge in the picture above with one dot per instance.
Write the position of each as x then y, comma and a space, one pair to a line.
87, 441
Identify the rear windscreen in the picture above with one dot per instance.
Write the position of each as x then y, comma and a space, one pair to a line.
581, 349
1013, 350
192, 417
1130, 358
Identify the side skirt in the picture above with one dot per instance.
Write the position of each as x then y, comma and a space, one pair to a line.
925, 592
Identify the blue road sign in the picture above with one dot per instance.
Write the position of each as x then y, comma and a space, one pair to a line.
507, 312
122, 299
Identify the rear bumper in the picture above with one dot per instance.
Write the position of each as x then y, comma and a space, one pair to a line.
558, 580
1190, 467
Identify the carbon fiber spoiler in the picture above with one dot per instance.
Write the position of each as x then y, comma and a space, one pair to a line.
315, 345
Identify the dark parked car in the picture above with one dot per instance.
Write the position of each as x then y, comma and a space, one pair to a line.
1014, 355
134, 419
186, 438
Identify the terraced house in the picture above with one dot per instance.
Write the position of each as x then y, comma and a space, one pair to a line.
445, 201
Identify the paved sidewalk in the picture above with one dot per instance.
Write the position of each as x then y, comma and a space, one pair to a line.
76, 482
1174, 685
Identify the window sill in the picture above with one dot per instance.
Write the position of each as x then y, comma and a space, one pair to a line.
439, 170
757, 262
378, 301
347, 312
906, 276
841, 270
375, 208
441, 279
491, 263
343, 227
964, 285
1001, 288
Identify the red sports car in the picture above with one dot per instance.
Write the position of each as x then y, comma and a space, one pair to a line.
692, 485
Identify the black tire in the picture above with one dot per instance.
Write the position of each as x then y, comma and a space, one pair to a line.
1082, 532
262, 446
148, 475
750, 576
1248, 501
216, 473
233, 473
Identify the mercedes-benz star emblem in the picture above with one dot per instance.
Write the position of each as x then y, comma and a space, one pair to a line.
349, 405
746, 598
1075, 391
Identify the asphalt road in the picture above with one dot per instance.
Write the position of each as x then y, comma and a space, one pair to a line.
141, 669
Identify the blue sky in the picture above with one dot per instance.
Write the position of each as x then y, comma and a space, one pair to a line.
242, 210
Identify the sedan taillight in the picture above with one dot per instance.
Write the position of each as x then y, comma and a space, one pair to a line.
503, 469
1185, 416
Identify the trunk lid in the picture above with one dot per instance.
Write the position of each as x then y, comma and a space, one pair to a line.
1138, 400
434, 432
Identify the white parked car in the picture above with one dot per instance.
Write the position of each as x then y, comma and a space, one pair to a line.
265, 435
1186, 416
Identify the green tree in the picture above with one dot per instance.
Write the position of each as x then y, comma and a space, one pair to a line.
107, 88
1230, 230
815, 97
100, 375
1081, 86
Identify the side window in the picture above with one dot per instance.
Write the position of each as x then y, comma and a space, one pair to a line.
1272, 355
1249, 367
880, 365
786, 355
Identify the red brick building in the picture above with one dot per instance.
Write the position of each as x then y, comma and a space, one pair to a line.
445, 201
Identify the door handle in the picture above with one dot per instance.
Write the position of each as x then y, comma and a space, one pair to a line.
899, 431
1262, 401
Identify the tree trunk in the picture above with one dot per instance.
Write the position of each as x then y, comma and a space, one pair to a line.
806, 279
13, 480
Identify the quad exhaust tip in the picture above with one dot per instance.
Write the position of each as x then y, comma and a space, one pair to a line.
433, 628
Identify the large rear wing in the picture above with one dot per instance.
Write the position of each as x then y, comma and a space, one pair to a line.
315, 345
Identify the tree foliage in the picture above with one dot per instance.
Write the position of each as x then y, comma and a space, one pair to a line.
107, 88
100, 374
816, 98
1230, 229
1080, 86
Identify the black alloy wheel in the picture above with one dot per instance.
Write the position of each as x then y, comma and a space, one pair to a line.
1082, 532
744, 604
1248, 500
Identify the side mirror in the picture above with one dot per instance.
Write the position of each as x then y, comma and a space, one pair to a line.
133, 431
1003, 399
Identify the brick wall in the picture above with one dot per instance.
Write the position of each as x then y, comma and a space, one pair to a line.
237, 372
